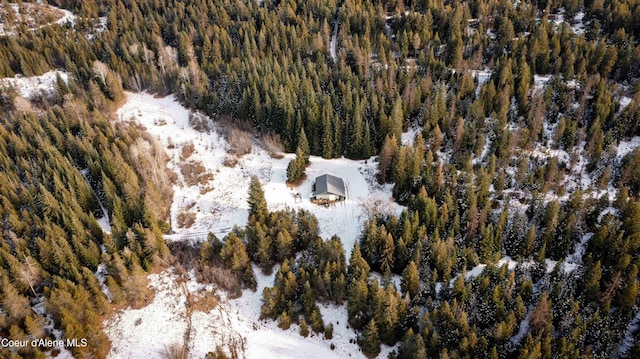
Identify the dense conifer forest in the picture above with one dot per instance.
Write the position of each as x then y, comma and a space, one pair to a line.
474, 182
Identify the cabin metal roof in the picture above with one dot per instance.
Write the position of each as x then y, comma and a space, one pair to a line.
330, 184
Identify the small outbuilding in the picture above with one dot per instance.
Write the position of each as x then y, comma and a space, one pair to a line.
328, 188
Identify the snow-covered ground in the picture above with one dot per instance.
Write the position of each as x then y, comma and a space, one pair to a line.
540, 81
624, 102
220, 203
150, 331
333, 46
33, 10
29, 87
146, 332
632, 329
574, 260
578, 27
410, 136
482, 76
627, 146
477, 270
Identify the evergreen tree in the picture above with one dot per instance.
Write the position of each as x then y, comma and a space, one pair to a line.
284, 321
257, 203
296, 167
304, 329
357, 306
234, 253
370, 342
303, 146
410, 283
529, 242
327, 140
358, 267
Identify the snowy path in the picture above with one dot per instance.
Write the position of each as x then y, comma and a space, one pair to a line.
629, 340
574, 260
333, 46
524, 329
66, 17
334, 41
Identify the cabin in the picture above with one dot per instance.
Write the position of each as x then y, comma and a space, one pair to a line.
328, 188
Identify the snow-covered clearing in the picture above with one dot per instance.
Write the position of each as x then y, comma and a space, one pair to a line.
344, 219
219, 203
29, 87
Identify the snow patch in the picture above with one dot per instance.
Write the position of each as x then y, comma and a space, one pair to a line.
482, 76
523, 330
627, 146
477, 270
29, 87
409, 137
624, 102
578, 26
101, 275
629, 341
485, 152
540, 81
67, 18
574, 260
146, 332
